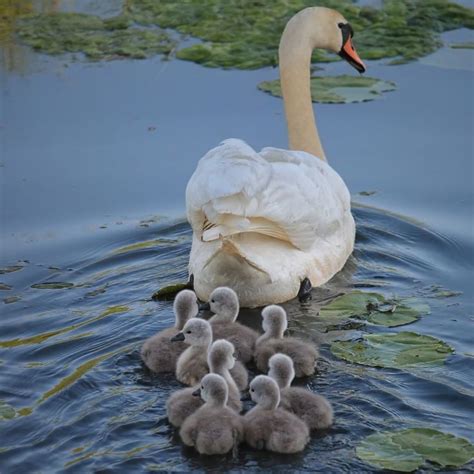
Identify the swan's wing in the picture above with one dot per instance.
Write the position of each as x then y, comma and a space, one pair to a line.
284, 194
305, 196
225, 187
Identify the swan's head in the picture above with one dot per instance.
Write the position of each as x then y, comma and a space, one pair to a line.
264, 392
185, 307
281, 369
274, 321
224, 303
196, 332
221, 355
327, 29
213, 389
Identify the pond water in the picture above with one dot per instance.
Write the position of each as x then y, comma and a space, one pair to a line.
95, 160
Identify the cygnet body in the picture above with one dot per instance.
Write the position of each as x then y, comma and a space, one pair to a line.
182, 403
269, 427
274, 324
313, 409
193, 364
224, 303
160, 354
214, 428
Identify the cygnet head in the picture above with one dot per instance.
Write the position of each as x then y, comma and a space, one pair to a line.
281, 369
213, 390
274, 321
185, 307
196, 332
224, 303
264, 392
221, 356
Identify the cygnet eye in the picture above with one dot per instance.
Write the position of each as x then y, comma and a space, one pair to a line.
213, 301
252, 390
188, 332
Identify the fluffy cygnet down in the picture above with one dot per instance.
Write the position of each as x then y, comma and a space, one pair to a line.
274, 324
193, 364
214, 428
160, 354
182, 403
269, 427
224, 303
313, 409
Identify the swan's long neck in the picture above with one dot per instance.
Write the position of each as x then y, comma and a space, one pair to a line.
299, 39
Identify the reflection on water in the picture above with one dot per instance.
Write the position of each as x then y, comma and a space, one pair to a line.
71, 369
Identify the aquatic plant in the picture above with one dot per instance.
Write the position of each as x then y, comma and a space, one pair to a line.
401, 350
338, 89
97, 39
407, 450
242, 34
375, 308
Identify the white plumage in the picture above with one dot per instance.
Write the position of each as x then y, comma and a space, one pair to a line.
262, 222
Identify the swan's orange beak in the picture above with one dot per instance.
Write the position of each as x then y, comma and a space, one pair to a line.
349, 53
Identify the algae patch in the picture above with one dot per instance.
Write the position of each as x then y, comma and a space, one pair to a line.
398, 351
407, 450
241, 33
97, 39
338, 89
7, 412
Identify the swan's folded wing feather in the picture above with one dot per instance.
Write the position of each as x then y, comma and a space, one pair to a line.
287, 195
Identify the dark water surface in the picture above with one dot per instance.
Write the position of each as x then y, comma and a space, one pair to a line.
95, 159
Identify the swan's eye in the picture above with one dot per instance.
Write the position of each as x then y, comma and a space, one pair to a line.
340, 25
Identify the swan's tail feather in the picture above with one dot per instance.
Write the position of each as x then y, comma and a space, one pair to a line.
231, 225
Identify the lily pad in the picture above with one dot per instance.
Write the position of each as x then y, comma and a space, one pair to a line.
10, 269
7, 412
53, 285
338, 89
58, 33
398, 351
407, 450
374, 308
170, 291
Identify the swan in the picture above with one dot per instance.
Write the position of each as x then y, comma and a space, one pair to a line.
273, 224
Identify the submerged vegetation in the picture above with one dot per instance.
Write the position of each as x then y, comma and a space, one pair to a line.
338, 89
407, 450
241, 33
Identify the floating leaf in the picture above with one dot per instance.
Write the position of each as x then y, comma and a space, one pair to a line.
375, 309
170, 291
401, 350
7, 412
11, 299
406, 450
4, 287
53, 285
10, 269
338, 89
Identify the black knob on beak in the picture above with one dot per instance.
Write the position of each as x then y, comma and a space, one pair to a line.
197, 393
178, 337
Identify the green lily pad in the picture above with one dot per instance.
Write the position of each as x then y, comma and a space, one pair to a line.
468, 45
338, 89
242, 33
169, 292
398, 351
7, 412
53, 285
58, 33
374, 308
10, 269
407, 450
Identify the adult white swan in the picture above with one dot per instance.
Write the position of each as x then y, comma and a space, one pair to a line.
271, 224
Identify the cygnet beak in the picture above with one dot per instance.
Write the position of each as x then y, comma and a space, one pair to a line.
178, 337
